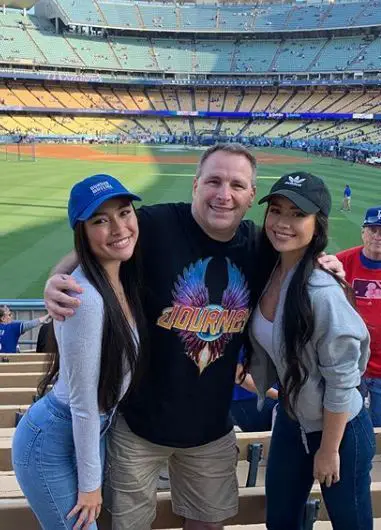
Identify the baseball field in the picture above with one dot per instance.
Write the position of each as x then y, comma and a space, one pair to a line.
33, 222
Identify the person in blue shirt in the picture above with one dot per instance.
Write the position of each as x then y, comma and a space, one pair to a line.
10, 330
346, 206
243, 408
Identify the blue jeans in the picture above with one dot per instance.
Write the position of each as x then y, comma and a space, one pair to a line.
289, 476
371, 386
245, 414
43, 456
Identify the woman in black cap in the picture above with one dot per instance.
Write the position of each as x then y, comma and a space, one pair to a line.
306, 334
58, 448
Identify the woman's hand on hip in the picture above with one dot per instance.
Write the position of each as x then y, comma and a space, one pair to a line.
327, 467
88, 508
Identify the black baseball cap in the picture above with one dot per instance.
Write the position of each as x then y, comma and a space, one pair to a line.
306, 191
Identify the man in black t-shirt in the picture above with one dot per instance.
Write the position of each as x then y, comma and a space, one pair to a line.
198, 269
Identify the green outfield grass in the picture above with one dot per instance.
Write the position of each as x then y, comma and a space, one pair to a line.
33, 223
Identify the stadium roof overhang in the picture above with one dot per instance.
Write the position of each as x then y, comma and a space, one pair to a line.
18, 4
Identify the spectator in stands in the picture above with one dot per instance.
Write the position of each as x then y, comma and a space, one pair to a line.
58, 447
11, 330
346, 206
363, 271
306, 334
194, 255
244, 409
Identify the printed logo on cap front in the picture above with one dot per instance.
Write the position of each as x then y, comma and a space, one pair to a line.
101, 186
295, 181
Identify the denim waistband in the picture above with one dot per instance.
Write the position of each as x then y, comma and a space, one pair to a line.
57, 407
62, 410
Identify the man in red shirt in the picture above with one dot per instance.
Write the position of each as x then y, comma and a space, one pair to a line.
363, 271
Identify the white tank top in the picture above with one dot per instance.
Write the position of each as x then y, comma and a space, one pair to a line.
263, 331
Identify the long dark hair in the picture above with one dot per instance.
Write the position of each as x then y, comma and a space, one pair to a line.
119, 345
298, 321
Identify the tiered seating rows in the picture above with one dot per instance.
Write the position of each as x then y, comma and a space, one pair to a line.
33, 41
247, 18
14, 510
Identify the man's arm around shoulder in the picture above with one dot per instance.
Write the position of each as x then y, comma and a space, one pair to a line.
58, 303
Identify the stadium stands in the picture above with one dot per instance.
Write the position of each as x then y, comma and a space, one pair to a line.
173, 55
82, 97
118, 14
232, 100
221, 18
35, 42
15, 46
156, 50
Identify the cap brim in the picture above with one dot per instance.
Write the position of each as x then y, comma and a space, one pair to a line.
377, 223
88, 212
304, 204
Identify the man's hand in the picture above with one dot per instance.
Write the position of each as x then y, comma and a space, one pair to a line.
331, 263
57, 302
88, 507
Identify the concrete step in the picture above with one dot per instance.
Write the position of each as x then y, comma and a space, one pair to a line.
17, 396
8, 414
24, 367
15, 379
15, 513
24, 357
7, 433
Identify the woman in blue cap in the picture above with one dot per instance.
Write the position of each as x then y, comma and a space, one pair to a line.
58, 448
306, 334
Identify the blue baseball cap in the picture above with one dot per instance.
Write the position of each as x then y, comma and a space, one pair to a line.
87, 195
373, 216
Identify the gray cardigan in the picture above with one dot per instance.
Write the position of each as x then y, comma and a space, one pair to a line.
336, 355
79, 340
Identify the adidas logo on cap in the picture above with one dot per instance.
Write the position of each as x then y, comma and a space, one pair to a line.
295, 181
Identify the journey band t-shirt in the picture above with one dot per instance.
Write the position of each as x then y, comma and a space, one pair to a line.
197, 302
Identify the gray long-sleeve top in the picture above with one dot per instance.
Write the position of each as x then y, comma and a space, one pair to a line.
26, 325
79, 340
336, 355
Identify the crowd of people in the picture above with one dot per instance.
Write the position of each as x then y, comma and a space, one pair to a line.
160, 311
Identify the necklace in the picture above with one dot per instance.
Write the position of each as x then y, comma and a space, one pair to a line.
122, 299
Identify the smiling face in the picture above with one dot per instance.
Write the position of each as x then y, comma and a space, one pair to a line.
113, 231
222, 194
288, 228
371, 236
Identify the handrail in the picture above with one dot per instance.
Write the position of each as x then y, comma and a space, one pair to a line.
27, 303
